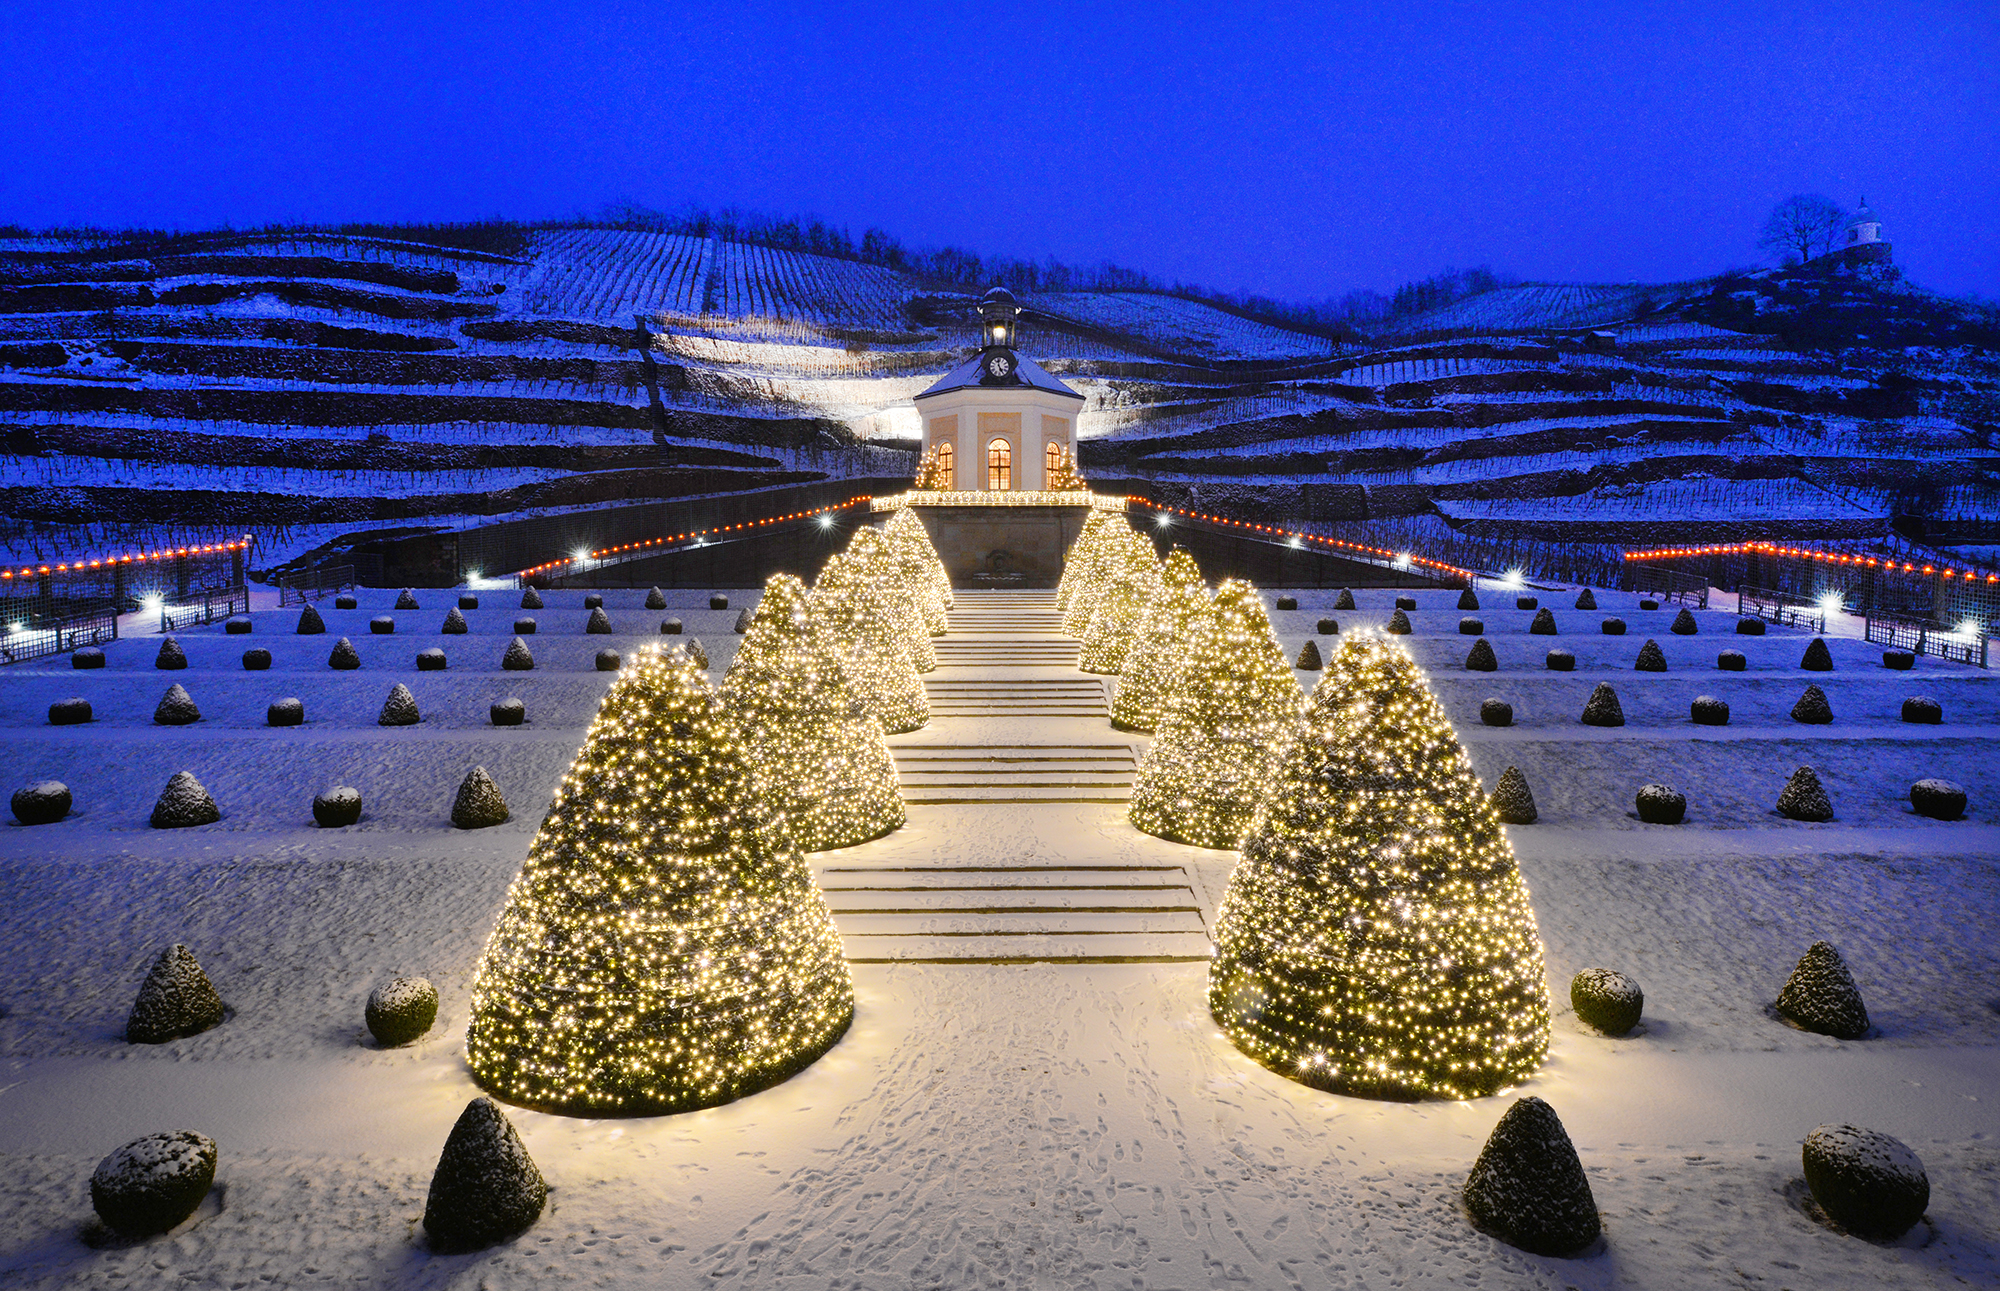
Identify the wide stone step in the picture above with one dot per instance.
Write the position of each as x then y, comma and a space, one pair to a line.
1030, 948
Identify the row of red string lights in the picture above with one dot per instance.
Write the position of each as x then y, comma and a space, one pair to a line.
106, 562
1807, 553
675, 538
1277, 531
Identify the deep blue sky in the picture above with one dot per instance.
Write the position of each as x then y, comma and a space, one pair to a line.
1293, 150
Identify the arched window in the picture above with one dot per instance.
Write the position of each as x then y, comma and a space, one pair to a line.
1052, 459
999, 465
947, 465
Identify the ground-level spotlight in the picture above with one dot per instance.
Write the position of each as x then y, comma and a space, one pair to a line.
1832, 602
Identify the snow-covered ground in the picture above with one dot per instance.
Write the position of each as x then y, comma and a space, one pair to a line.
1044, 1124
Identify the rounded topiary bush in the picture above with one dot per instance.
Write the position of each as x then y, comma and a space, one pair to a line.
183, 804
1607, 999
608, 661
1649, 604
1821, 996
1496, 712
467, 601
593, 600
1870, 1184
1613, 627
1586, 599
69, 712
1406, 602
1750, 627
508, 712
1938, 799
237, 625
1544, 624
479, 804
486, 1187
256, 659
1471, 627
400, 1011
338, 807
152, 1184
1328, 628
176, 1000
718, 602
530, 599
382, 625
1707, 710
406, 600
87, 657
656, 600
1288, 602
1660, 804
286, 712
344, 656
1900, 660
1813, 708
1684, 624
524, 627
1526, 602
310, 623
517, 658
1651, 658
1804, 797
1399, 622
455, 624
1481, 657
42, 803
431, 660
1561, 661
1602, 708
1528, 1187
346, 602
1345, 601
1309, 659
176, 707
1817, 657
1923, 709
599, 623
670, 628
1732, 661
1513, 801
171, 656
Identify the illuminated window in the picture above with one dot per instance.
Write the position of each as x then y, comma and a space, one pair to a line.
1051, 461
999, 465
947, 461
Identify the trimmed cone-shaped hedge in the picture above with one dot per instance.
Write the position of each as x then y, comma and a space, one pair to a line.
344, 656
400, 708
664, 947
818, 750
1586, 599
1178, 613
1345, 601
869, 564
1468, 599
656, 599
183, 803
175, 1000
531, 599
1481, 658
1813, 708
176, 707
694, 650
1821, 996
1544, 624
1121, 611
1528, 1187
152, 1184
1817, 657
1603, 708
406, 600
1684, 624
1359, 954
1233, 713
171, 657
1651, 658
1399, 622
1309, 659
310, 623
742, 623
454, 623
1804, 797
1076, 560
517, 658
1870, 1184
486, 1187
873, 639
599, 623
1513, 801
923, 572
479, 803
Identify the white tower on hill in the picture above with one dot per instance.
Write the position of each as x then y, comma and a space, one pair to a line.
1864, 227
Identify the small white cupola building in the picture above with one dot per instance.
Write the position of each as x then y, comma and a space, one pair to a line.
998, 421
1864, 227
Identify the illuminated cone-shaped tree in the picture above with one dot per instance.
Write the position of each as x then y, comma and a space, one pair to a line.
1376, 937
1063, 477
1232, 717
1175, 616
819, 752
931, 474
1079, 555
869, 562
1107, 643
862, 626
665, 946
920, 567
1112, 550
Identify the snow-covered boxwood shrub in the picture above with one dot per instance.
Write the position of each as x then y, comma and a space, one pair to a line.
338, 807
87, 657
43, 803
1651, 658
1586, 599
1471, 627
1607, 1000
171, 656
401, 1010
670, 628
718, 602
1813, 708
1804, 797
1938, 799
1917, 708
1528, 1187
1328, 628
69, 712
1707, 710
1817, 657
256, 659
237, 625
1732, 661
1660, 804
1821, 996
431, 660
175, 1000
1288, 602
1900, 660
1526, 602
479, 804
1613, 627
508, 712
1750, 627
1496, 712
1602, 708
486, 1187
382, 625
290, 711
344, 656
1870, 1184
1561, 661
152, 1184
1513, 801
1544, 624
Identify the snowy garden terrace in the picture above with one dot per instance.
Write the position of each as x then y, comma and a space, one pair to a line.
1063, 1119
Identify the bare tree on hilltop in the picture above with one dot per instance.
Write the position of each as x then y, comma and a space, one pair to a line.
1801, 227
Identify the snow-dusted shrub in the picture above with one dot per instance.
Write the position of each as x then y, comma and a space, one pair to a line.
382, 625
1870, 1184
1921, 709
1526, 602
454, 623
517, 658
152, 1184
310, 623
344, 656
656, 600
670, 627
718, 602
1513, 801
399, 1011
1399, 622
338, 807
1707, 710
1561, 661
256, 659
176, 708
1732, 661
599, 623
1660, 804
346, 602
1607, 999
530, 599
1289, 602
467, 601
47, 801
479, 803
1481, 658
1586, 599
400, 708
1649, 605
507, 712
742, 623
1602, 708
1468, 599
1938, 799
1821, 996
431, 660
608, 661
175, 1000
1651, 658
1684, 624
1813, 708
171, 656
406, 600
75, 712
87, 657
1544, 624
1900, 660
486, 1187
1406, 602
237, 625
1345, 601
1328, 628
1750, 627
524, 627
286, 712
1496, 712
1804, 797
1309, 657
1817, 657
1613, 627
699, 653
1528, 1187
1471, 627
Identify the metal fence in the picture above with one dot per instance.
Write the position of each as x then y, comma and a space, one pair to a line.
74, 625
1785, 609
314, 582
204, 605
1669, 585
1928, 638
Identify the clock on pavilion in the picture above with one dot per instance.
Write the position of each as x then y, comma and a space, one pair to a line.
998, 421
